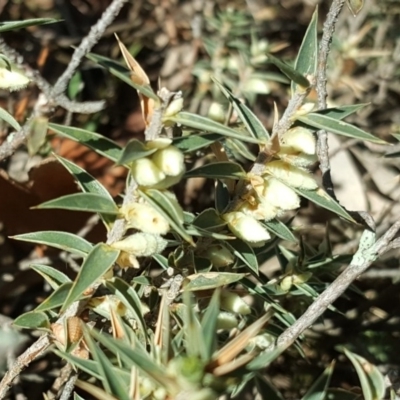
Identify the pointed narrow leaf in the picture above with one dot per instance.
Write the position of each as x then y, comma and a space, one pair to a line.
135, 356
56, 299
322, 199
134, 150
88, 202
5, 116
218, 170
251, 122
88, 184
289, 71
245, 253
208, 125
339, 127
210, 280
122, 73
127, 295
209, 324
169, 208
112, 382
96, 264
53, 277
318, 391
95, 141
306, 61
14, 25
32, 320
266, 389
88, 366
60, 240
195, 142
279, 229
341, 112
371, 379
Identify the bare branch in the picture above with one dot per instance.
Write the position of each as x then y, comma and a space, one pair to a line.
324, 48
35, 76
367, 253
87, 43
33, 352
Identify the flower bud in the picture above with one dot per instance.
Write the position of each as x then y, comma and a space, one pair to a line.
300, 139
12, 80
305, 109
217, 112
174, 107
169, 160
296, 159
146, 173
291, 175
141, 244
219, 255
246, 227
159, 143
145, 218
262, 210
232, 302
279, 195
226, 321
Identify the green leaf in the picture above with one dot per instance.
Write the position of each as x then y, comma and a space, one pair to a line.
122, 73
196, 141
52, 276
14, 25
245, 253
88, 366
112, 382
321, 198
60, 240
169, 208
32, 320
209, 324
57, 298
96, 264
341, 112
88, 202
330, 124
208, 125
279, 229
136, 356
210, 280
209, 219
289, 71
95, 141
222, 197
307, 57
251, 122
134, 150
5, 116
371, 379
218, 170
129, 298
264, 359
341, 394
195, 344
266, 390
318, 391
88, 184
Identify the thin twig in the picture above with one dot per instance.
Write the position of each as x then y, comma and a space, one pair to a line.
69, 387
35, 76
368, 252
87, 43
324, 49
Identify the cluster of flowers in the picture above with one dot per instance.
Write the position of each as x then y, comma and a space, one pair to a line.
273, 193
160, 170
